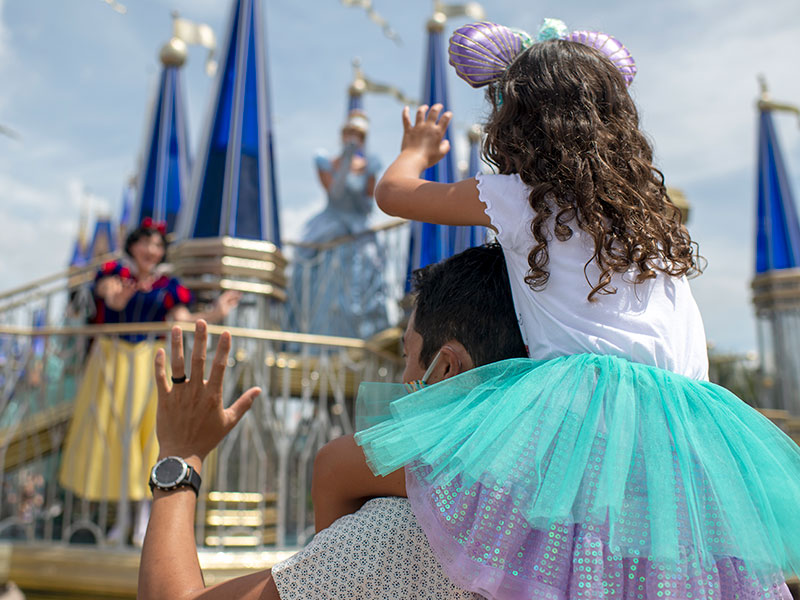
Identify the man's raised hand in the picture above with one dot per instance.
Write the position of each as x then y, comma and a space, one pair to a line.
191, 418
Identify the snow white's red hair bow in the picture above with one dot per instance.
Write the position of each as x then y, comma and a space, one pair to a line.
160, 226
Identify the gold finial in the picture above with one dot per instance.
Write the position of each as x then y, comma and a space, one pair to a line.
442, 12
475, 133
436, 22
762, 83
361, 84
766, 103
173, 53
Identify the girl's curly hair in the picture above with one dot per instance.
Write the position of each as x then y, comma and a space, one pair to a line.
563, 120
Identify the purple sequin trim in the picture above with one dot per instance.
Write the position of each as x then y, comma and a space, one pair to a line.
566, 561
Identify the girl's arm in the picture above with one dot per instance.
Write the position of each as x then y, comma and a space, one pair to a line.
342, 482
401, 192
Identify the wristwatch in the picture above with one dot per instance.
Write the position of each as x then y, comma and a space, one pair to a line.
172, 472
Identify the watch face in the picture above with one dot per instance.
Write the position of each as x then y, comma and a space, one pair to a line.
169, 472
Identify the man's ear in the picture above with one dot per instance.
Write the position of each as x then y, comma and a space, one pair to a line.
454, 359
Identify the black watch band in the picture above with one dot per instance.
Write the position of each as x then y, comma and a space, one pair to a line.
164, 477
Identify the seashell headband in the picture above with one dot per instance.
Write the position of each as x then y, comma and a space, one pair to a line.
481, 52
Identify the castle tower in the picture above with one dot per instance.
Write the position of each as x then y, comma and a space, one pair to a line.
467, 237
103, 239
163, 182
776, 285
234, 193
431, 243
228, 233
81, 248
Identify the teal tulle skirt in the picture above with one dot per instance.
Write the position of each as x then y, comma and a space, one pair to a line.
591, 476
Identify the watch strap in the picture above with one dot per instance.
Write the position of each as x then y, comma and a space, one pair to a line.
193, 480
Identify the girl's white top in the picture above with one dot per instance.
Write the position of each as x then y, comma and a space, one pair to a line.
656, 322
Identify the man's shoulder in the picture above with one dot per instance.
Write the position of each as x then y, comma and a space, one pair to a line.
379, 550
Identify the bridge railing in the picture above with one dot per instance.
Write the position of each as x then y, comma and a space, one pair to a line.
352, 285
77, 436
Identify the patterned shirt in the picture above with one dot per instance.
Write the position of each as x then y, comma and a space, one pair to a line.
380, 552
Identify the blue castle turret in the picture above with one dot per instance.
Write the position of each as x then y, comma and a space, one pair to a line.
431, 243
467, 237
776, 285
778, 229
104, 239
228, 233
164, 179
81, 248
235, 193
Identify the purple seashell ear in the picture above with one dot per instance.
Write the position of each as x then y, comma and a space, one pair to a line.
611, 47
481, 52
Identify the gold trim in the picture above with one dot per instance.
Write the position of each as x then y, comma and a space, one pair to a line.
393, 224
231, 517
94, 572
162, 328
218, 283
68, 273
232, 266
249, 497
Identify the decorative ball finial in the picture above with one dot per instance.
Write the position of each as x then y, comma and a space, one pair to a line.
358, 87
475, 133
173, 53
437, 22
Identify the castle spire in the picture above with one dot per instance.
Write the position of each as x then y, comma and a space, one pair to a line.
776, 285
431, 243
164, 179
467, 237
778, 228
234, 192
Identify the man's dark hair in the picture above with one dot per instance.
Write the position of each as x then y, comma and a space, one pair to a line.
468, 298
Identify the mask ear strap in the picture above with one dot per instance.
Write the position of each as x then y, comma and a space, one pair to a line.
429, 370
419, 384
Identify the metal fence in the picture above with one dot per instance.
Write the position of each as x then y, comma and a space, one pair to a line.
77, 409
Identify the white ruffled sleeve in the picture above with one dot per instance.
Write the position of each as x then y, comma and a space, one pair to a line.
506, 200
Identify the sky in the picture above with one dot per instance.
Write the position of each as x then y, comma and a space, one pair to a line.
77, 79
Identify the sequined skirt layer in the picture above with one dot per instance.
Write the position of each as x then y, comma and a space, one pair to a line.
592, 477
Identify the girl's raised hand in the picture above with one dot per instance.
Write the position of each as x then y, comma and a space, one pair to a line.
426, 136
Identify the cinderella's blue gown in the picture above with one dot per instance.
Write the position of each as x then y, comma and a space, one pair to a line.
340, 290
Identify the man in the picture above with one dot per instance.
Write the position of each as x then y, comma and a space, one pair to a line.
465, 314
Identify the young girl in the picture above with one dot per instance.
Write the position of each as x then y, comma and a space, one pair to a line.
606, 465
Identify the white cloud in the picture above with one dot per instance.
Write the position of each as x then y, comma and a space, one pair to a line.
698, 93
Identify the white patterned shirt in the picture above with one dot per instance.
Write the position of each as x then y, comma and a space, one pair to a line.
380, 552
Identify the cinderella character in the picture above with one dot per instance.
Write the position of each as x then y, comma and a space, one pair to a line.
337, 282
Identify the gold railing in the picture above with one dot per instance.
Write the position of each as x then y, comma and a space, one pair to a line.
255, 506
258, 484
